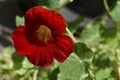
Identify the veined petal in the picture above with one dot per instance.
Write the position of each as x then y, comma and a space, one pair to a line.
63, 46
22, 46
41, 16
43, 56
59, 23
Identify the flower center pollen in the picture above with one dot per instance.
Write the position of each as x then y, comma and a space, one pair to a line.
44, 33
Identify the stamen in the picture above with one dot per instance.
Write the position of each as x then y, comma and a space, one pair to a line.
44, 33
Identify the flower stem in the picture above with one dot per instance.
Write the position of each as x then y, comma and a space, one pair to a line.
71, 35
106, 5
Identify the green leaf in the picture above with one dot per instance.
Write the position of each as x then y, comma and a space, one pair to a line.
54, 4
17, 58
17, 66
102, 59
109, 33
103, 74
114, 13
111, 79
19, 21
44, 75
72, 69
53, 74
91, 35
83, 52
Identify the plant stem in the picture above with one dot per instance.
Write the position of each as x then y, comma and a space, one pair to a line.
71, 35
35, 75
118, 73
106, 5
118, 64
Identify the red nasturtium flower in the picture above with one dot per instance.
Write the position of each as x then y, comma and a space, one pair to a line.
42, 39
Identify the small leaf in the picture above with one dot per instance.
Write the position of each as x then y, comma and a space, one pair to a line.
114, 13
54, 4
19, 21
91, 35
103, 74
17, 58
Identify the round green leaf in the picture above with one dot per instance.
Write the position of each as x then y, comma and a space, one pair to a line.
72, 69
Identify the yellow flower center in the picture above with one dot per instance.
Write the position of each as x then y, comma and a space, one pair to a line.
44, 33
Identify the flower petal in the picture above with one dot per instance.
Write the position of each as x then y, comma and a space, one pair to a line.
63, 46
43, 56
22, 46
37, 16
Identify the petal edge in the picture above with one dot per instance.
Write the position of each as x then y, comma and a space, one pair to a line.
21, 44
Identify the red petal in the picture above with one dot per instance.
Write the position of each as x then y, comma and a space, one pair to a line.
22, 46
43, 56
63, 47
37, 16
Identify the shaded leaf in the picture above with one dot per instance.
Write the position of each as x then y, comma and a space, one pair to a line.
53, 74
17, 65
83, 52
109, 32
17, 58
102, 59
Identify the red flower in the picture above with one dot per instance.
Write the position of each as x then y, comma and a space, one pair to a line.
42, 39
